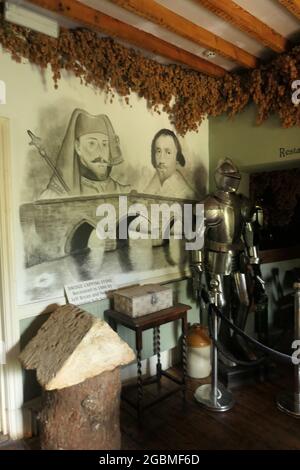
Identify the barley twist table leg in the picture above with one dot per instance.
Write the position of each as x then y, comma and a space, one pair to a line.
158, 365
139, 372
184, 354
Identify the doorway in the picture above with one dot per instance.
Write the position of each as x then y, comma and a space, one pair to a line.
3, 423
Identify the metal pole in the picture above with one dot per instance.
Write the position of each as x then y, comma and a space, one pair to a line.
297, 336
289, 402
214, 396
215, 357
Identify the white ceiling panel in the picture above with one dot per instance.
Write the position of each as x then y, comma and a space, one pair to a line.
109, 8
268, 11
192, 10
273, 14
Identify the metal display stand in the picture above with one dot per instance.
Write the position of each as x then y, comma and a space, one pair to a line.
214, 396
289, 402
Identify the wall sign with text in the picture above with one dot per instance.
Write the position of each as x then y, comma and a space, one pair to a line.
289, 152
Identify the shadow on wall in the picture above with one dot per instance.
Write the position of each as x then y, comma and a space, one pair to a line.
200, 179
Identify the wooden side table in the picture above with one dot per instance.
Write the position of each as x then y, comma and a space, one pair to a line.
140, 324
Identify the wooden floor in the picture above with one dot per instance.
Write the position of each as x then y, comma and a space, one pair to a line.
253, 423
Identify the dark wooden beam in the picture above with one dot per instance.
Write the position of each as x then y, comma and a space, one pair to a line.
98, 21
170, 20
246, 22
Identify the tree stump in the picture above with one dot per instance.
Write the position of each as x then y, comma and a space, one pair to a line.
77, 358
84, 416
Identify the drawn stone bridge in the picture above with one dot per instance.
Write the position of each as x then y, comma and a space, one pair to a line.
55, 228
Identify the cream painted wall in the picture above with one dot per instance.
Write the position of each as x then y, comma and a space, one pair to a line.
252, 147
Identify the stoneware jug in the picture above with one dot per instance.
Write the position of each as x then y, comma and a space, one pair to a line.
198, 352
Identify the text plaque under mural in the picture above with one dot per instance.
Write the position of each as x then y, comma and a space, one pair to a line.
89, 291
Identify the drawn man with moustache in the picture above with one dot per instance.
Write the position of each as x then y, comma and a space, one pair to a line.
167, 158
88, 152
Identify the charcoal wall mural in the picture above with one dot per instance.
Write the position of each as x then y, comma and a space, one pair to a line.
78, 163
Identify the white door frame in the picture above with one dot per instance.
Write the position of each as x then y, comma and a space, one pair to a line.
3, 418
11, 373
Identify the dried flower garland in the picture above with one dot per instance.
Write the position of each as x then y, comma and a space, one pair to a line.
186, 95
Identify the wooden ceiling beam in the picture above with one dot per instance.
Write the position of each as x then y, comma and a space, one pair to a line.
179, 25
246, 22
293, 6
98, 21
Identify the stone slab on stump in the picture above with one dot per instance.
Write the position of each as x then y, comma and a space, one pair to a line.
77, 358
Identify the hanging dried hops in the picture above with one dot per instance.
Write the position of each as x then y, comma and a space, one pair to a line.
185, 95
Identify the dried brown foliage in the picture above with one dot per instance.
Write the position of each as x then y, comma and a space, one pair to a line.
186, 95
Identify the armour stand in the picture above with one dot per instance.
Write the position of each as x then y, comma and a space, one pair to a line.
214, 396
289, 402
